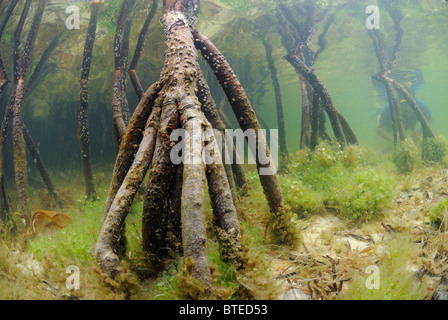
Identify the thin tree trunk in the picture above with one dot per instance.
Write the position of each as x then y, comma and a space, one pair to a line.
83, 115
194, 238
399, 131
314, 121
16, 39
20, 165
138, 51
310, 76
240, 177
174, 237
278, 103
305, 134
18, 141
350, 135
43, 59
224, 211
8, 13
118, 94
4, 213
180, 45
427, 131
39, 163
3, 135
125, 63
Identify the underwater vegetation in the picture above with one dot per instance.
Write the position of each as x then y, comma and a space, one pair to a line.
397, 283
343, 181
407, 155
90, 181
437, 213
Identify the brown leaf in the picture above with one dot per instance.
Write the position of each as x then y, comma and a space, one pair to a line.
366, 250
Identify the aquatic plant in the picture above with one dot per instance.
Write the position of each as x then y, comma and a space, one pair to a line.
302, 200
326, 155
438, 214
406, 156
435, 149
395, 281
344, 181
83, 113
74, 242
365, 194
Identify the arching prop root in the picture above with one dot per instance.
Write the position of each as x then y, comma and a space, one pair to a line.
107, 243
249, 124
387, 65
174, 203
343, 133
120, 108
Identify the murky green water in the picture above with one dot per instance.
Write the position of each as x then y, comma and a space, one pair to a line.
352, 184
345, 67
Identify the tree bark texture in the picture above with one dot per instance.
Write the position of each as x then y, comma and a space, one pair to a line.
21, 68
119, 100
156, 205
244, 114
130, 142
107, 243
208, 106
83, 116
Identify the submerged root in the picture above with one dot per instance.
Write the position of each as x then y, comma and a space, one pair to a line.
284, 228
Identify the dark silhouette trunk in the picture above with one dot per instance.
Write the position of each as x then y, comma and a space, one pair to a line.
296, 36
321, 90
314, 122
387, 65
21, 68
278, 104
305, 132
21, 136
119, 100
138, 51
83, 115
